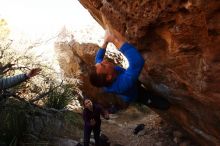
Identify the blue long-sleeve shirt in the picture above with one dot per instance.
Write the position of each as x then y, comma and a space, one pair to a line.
125, 84
12, 81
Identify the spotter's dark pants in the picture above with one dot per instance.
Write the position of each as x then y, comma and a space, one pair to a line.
87, 134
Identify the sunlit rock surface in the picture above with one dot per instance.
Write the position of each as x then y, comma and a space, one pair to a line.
179, 40
76, 60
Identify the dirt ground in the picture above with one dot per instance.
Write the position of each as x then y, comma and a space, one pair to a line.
119, 129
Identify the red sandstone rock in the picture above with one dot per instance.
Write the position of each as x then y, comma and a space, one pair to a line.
179, 40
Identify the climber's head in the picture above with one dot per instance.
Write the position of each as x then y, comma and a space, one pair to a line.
103, 74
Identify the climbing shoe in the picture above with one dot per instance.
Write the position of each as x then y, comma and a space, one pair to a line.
138, 128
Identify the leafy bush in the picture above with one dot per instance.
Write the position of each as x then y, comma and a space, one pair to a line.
60, 97
50, 83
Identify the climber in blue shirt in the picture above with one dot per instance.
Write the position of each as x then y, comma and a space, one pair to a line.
120, 81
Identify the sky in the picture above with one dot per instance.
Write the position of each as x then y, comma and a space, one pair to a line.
44, 19
31, 20
37, 17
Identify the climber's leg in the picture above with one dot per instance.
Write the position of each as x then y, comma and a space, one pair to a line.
152, 100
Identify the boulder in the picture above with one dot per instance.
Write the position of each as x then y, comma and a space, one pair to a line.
179, 40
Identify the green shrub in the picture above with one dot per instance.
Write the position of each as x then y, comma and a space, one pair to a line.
60, 97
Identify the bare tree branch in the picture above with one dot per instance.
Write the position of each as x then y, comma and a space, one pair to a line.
13, 94
45, 94
6, 68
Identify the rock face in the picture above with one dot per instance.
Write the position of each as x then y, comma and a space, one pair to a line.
179, 40
76, 59
25, 124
